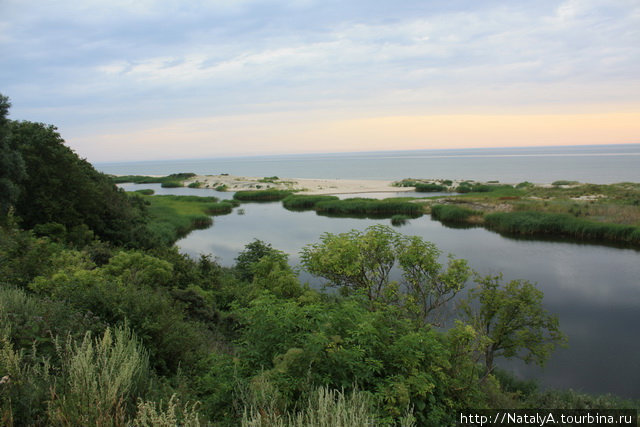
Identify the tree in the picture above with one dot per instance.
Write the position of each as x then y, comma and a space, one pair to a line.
251, 254
59, 187
12, 168
513, 320
364, 260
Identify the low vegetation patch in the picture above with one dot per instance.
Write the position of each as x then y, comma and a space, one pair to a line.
554, 224
172, 217
269, 195
145, 179
452, 213
302, 202
360, 206
429, 188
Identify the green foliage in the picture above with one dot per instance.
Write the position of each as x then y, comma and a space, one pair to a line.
195, 184
221, 187
429, 188
152, 414
451, 213
12, 166
146, 192
296, 202
553, 224
370, 207
271, 179
466, 187
363, 261
171, 184
101, 379
143, 179
513, 319
251, 254
172, 217
261, 195
564, 182
62, 188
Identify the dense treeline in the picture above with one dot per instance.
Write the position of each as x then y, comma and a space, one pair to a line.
119, 329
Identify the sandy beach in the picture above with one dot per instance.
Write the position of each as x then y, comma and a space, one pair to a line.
304, 185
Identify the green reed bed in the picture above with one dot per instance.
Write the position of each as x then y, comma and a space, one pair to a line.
557, 224
261, 195
303, 202
361, 206
452, 213
429, 188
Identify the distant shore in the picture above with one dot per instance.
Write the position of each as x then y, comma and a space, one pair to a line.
303, 185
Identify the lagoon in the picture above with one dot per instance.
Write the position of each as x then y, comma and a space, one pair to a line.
594, 289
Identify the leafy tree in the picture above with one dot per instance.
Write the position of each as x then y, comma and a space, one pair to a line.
12, 168
363, 261
513, 320
251, 254
61, 188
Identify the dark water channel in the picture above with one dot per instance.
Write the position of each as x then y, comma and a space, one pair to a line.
594, 290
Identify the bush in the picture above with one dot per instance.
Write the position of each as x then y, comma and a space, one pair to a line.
171, 184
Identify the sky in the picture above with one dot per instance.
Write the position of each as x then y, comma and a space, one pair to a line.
145, 80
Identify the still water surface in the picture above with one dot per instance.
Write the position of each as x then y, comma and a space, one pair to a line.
594, 290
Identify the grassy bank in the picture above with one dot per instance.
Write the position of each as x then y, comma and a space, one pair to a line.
302, 202
373, 207
452, 213
173, 217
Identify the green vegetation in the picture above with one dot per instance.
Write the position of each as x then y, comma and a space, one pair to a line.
369, 207
267, 179
221, 187
261, 195
564, 182
566, 225
145, 192
195, 184
144, 179
429, 188
399, 219
451, 213
172, 217
301, 202
103, 323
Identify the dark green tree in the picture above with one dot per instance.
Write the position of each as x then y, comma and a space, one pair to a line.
59, 187
12, 169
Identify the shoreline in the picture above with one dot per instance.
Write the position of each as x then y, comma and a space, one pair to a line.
308, 186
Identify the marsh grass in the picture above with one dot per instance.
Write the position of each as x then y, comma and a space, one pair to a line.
269, 195
371, 207
145, 179
303, 202
452, 213
559, 224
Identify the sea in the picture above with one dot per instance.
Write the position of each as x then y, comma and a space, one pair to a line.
596, 164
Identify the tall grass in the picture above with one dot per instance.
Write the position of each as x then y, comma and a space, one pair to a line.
102, 379
360, 206
451, 213
557, 224
304, 202
261, 195
324, 408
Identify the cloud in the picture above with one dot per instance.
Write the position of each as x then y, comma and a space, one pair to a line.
129, 64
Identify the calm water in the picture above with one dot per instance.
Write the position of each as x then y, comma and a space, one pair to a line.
600, 164
595, 290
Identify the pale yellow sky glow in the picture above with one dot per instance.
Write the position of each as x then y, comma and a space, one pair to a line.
278, 133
